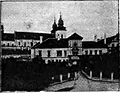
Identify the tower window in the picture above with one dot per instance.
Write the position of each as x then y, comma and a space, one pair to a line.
59, 53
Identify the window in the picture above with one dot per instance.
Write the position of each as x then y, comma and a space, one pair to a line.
40, 53
48, 53
95, 52
90, 52
31, 43
58, 35
7, 44
65, 53
112, 45
61, 35
24, 43
86, 52
59, 53
100, 52
18, 43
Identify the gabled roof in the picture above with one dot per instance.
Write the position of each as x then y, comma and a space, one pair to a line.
52, 43
63, 43
75, 36
92, 44
7, 37
31, 35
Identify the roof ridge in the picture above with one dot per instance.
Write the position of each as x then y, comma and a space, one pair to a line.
44, 41
30, 32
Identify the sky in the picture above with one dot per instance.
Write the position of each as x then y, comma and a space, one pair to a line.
86, 18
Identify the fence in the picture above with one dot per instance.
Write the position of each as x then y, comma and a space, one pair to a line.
63, 78
90, 76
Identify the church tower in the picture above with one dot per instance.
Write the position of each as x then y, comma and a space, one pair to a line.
61, 30
54, 28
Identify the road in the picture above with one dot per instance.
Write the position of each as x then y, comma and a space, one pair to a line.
84, 84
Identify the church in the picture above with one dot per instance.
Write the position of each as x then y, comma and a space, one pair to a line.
55, 46
62, 48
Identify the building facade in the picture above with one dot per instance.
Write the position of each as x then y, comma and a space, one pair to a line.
60, 48
55, 45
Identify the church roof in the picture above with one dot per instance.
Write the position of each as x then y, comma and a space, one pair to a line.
75, 36
31, 35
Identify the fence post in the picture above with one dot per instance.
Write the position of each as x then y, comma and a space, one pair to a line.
100, 75
112, 76
61, 77
68, 75
90, 74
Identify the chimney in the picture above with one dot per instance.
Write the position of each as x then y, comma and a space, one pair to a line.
95, 38
104, 38
41, 39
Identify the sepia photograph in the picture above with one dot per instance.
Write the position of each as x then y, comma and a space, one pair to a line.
59, 46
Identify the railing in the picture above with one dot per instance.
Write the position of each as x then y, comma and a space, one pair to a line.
100, 78
62, 78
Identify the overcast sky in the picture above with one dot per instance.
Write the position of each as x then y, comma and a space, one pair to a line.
86, 18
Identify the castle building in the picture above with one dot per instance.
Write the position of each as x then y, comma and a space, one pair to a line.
61, 48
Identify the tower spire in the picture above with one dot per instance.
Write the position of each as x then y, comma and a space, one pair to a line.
60, 21
60, 15
54, 27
